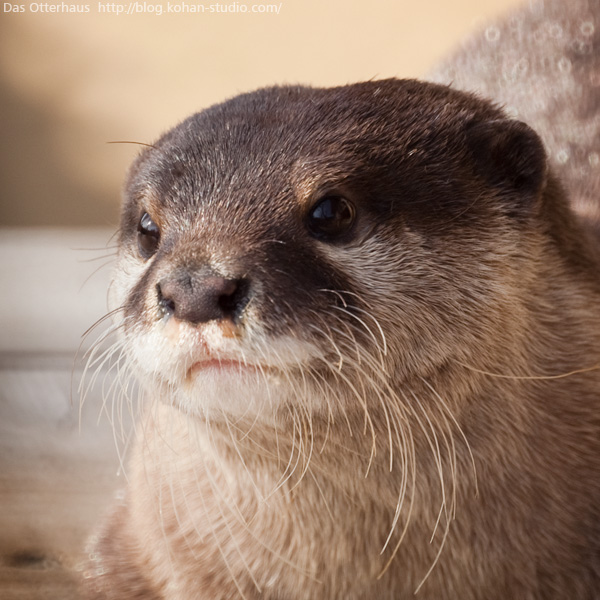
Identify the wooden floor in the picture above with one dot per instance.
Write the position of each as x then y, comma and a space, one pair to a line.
58, 472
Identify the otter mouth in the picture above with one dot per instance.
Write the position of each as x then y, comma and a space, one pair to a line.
224, 365
226, 385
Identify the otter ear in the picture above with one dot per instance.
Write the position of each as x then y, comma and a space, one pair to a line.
509, 154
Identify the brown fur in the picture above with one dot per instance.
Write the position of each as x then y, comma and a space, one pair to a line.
431, 376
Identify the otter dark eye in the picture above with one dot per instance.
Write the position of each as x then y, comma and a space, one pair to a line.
148, 236
331, 217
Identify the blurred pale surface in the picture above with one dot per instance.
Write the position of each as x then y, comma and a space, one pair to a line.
58, 284
57, 473
71, 82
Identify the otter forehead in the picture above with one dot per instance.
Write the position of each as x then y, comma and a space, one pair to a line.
282, 126
278, 148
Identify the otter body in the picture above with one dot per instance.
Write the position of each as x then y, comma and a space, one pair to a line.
366, 325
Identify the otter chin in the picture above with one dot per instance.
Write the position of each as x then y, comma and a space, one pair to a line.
365, 325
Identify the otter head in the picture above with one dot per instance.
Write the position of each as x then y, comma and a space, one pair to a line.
313, 250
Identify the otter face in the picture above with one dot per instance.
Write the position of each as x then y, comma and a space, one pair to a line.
296, 241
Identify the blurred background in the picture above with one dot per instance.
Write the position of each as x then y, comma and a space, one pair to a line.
69, 84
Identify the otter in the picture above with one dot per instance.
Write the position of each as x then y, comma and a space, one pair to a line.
365, 325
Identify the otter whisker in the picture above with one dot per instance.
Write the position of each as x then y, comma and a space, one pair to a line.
115, 383
407, 453
243, 462
530, 377
101, 320
364, 377
86, 383
366, 327
98, 269
325, 393
131, 142
413, 472
115, 366
295, 449
361, 300
449, 441
384, 349
459, 429
433, 444
236, 512
437, 455
337, 293
324, 385
157, 491
207, 513
361, 398
304, 453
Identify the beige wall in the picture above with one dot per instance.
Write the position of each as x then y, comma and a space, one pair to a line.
71, 83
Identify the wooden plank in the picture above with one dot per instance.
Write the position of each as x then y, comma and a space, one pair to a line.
56, 481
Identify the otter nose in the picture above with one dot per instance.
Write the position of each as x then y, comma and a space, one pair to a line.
199, 297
